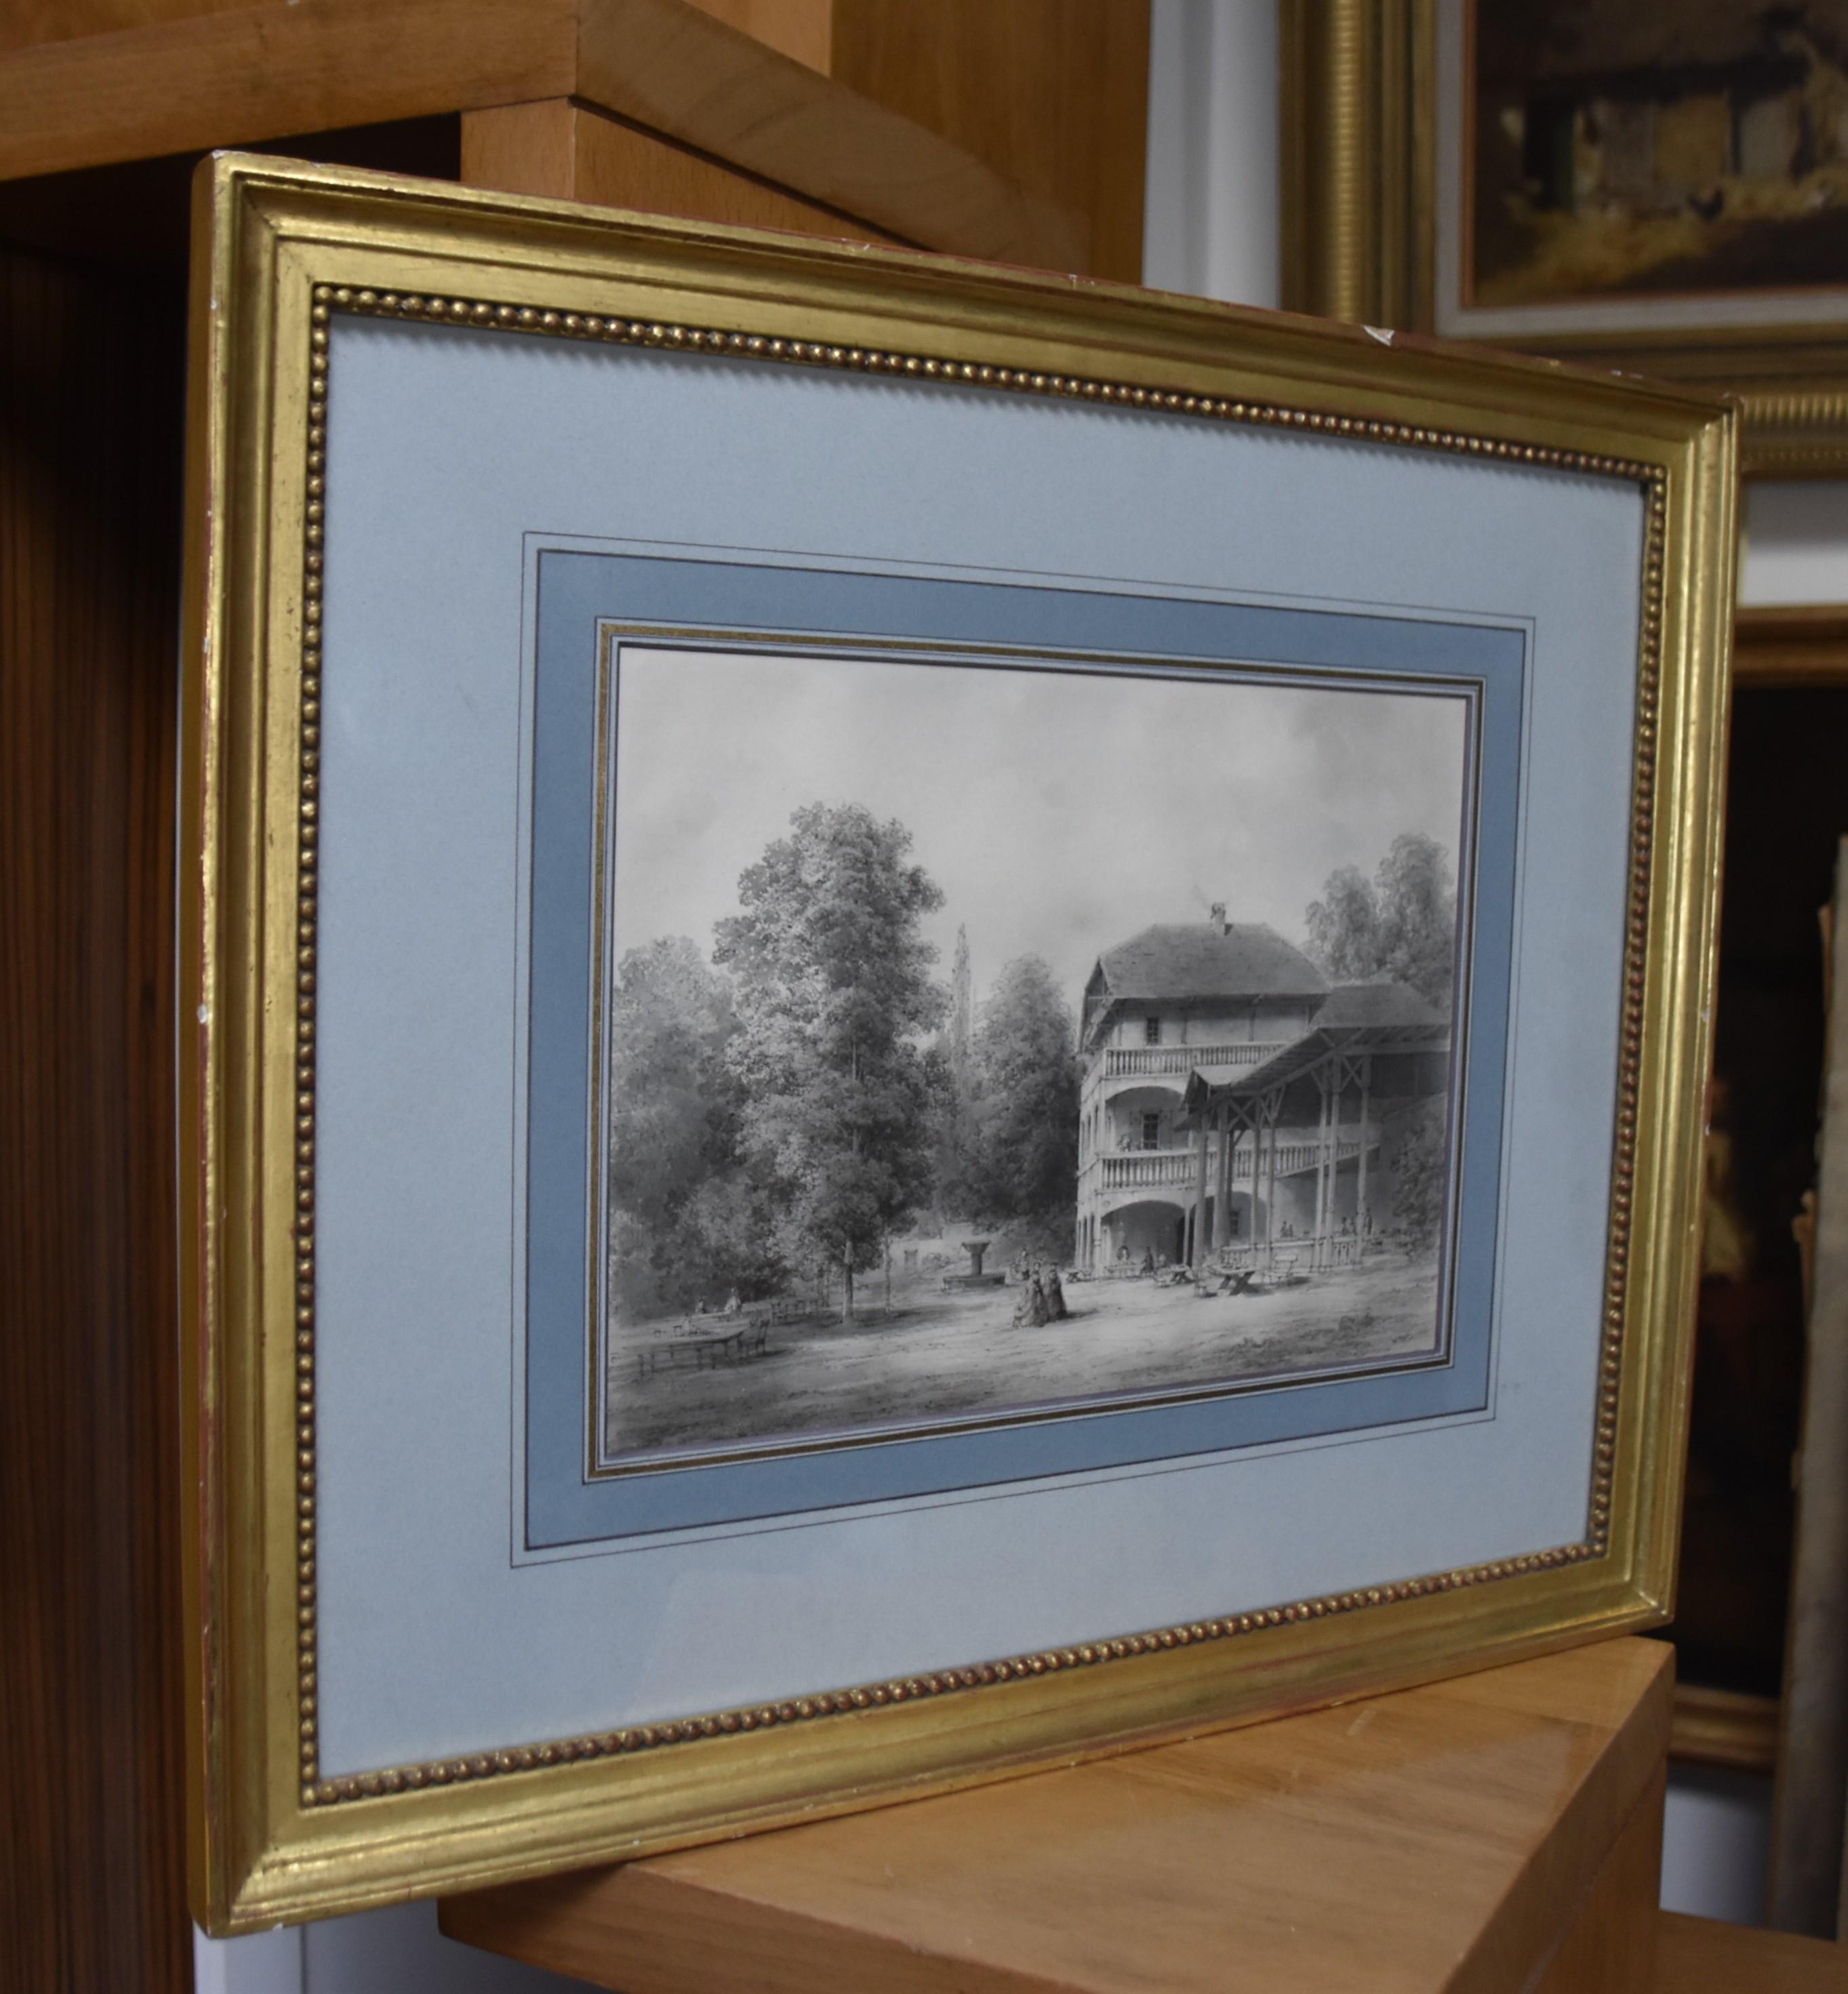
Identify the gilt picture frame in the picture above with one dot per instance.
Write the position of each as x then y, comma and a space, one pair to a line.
1623, 187
715, 762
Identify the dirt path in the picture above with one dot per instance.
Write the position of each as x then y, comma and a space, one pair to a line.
937, 1356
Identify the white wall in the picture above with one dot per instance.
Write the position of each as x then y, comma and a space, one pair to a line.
1210, 229
1795, 544
396, 1951
1210, 211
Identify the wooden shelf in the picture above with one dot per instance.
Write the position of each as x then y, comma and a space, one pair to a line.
1702, 1956
1007, 128
1043, 171
1500, 1830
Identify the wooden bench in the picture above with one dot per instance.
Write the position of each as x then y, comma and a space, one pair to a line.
746, 1336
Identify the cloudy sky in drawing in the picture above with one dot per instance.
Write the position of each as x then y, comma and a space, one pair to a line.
1059, 811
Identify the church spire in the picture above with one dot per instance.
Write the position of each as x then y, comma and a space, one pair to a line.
961, 1005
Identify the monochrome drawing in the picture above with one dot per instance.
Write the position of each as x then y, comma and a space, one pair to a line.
987, 1039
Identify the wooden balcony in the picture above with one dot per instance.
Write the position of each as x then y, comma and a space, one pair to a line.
1133, 1062
1148, 1170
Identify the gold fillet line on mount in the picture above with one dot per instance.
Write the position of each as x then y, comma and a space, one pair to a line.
316, 1792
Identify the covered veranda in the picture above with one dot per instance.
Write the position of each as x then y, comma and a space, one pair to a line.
1315, 1105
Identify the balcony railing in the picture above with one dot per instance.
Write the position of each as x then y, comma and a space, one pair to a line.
1141, 1170
1126, 1062
1294, 1157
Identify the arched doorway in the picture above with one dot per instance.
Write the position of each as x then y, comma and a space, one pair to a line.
1154, 1228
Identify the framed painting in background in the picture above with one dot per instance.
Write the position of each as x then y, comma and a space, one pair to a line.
1789, 744
1659, 187
886, 1077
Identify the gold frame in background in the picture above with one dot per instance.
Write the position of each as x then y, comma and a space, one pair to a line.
1359, 172
1778, 648
279, 250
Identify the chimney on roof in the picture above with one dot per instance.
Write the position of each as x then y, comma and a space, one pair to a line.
1217, 918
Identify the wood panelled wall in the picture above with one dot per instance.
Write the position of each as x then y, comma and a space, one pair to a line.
91, 1846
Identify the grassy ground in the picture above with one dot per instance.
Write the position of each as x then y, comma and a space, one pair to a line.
936, 1354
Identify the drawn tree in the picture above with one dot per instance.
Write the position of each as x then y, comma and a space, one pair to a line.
1418, 917
832, 979
688, 1219
1021, 1159
1420, 1167
1401, 925
1344, 926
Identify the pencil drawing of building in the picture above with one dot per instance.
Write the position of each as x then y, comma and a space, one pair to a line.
1231, 1099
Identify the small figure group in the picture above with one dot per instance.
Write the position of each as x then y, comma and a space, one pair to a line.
1042, 1300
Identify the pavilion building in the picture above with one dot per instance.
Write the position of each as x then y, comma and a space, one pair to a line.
1232, 1103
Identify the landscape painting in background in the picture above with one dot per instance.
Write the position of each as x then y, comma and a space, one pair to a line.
976, 1045
1624, 148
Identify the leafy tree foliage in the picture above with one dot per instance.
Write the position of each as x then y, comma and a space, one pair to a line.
1020, 1162
832, 987
1419, 1173
1344, 926
1401, 925
689, 1221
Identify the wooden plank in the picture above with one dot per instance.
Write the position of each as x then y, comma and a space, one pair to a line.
92, 1892
572, 152
1446, 1837
678, 72
264, 72
137, 214
1703, 1956
1610, 1948
26, 22
1052, 94
801, 29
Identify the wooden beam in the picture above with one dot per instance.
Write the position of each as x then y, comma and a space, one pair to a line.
801, 29
1703, 1956
676, 71
267, 72
1496, 1832
25, 22
1052, 94
569, 151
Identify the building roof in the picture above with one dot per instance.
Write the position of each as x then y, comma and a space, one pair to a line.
1382, 1019
1353, 1007
1176, 961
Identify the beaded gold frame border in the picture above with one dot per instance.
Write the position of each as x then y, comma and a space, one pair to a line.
327, 301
